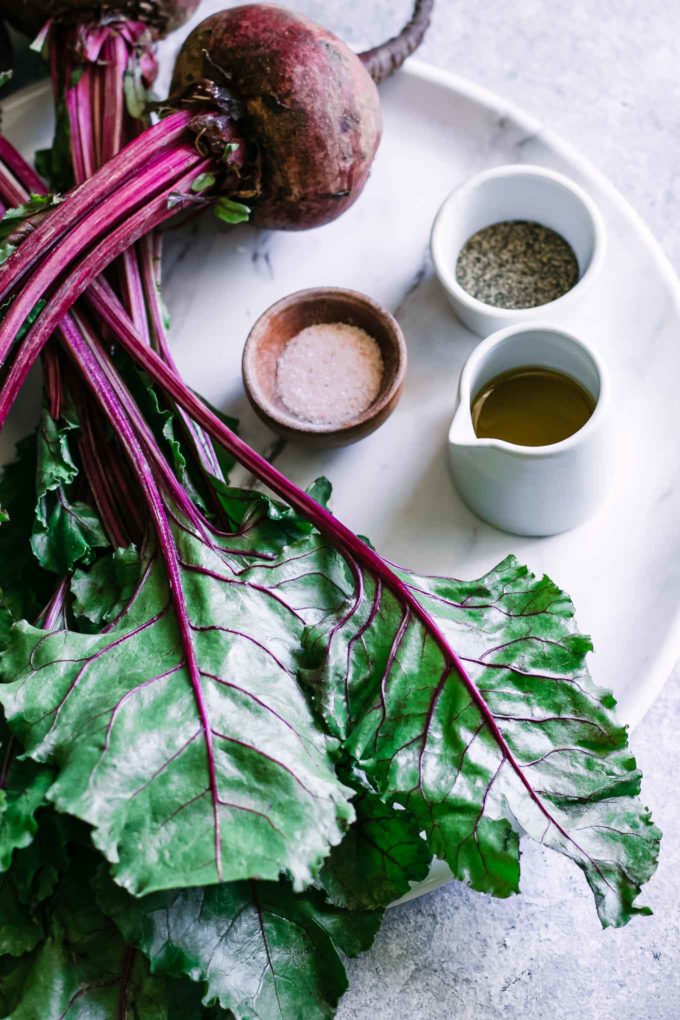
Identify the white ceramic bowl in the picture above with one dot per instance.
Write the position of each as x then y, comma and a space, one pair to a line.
533, 490
516, 192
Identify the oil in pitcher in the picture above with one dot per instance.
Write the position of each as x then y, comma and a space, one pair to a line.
531, 406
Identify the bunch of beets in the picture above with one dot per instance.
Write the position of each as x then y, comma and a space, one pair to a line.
231, 732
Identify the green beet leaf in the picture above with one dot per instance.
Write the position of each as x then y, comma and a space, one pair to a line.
24, 586
98, 978
81, 969
20, 931
379, 858
278, 526
13, 218
189, 779
66, 531
167, 426
14, 973
231, 212
101, 592
24, 889
258, 948
24, 590
486, 723
23, 790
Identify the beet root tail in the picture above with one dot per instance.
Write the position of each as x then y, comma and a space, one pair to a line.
382, 61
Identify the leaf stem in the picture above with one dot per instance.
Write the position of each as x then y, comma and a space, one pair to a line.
97, 474
164, 177
134, 158
97, 99
108, 484
154, 502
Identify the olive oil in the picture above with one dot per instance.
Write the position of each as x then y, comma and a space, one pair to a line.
531, 406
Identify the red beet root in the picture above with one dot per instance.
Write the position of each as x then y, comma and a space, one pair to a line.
29, 16
310, 107
272, 109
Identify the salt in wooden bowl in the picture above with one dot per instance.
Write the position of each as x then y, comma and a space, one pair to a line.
282, 322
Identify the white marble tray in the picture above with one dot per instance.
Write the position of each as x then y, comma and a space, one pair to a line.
623, 568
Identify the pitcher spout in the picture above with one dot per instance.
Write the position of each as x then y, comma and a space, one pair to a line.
462, 431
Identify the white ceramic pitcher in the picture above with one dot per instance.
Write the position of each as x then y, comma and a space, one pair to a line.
533, 490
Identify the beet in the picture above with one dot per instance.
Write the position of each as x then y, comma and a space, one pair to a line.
29, 16
309, 112
310, 107
269, 109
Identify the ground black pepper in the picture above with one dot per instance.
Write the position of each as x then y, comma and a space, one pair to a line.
516, 264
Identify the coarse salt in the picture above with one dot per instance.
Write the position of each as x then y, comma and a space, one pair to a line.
330, 373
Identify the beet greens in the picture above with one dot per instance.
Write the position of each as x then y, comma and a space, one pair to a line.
234, 731
268, 528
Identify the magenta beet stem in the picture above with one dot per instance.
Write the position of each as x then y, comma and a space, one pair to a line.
108, 484
15, 194
88, 229
82, 200
149, 253
154, 501
105, 252
97, 106
14, 191
76, 334
97, 119
24, 173
104, 489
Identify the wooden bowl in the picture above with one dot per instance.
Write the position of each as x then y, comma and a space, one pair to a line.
283, 321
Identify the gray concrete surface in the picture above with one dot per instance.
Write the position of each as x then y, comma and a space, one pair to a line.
605, 74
